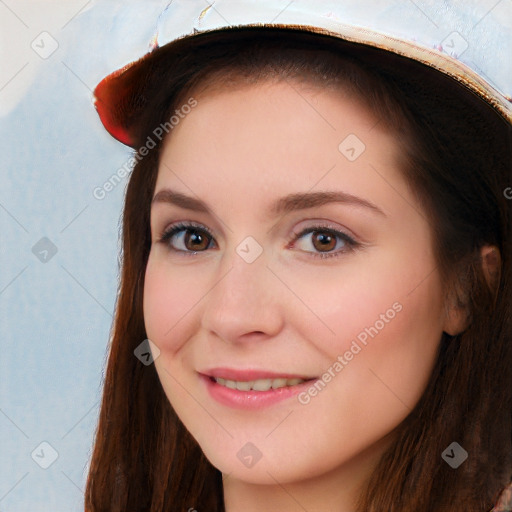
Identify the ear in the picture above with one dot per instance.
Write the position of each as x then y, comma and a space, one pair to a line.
457, 317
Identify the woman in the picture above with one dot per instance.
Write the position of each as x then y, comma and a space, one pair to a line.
317, 259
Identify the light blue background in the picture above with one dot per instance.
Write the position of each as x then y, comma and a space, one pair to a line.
55, 316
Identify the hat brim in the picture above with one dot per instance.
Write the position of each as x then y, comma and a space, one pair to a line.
120, 97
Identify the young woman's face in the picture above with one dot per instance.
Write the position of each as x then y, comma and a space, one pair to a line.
308, 258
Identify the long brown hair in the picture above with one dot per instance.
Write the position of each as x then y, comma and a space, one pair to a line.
457, 155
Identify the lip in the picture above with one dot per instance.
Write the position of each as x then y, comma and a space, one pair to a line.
250, 400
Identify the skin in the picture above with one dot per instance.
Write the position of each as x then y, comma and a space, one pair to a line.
289, 311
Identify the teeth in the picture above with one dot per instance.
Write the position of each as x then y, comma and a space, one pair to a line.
244, 386
262, 385
258, 385
279, 383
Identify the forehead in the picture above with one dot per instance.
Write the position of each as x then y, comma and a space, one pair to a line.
286, 118
271, 137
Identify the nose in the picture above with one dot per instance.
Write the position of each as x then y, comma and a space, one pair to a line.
246, 301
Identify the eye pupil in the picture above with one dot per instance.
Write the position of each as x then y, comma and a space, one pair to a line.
325, 241
197, 238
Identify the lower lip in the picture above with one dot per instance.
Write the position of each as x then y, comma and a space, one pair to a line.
251, 399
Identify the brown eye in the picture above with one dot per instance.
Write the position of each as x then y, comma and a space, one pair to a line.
187, 238
195, 241
325, 240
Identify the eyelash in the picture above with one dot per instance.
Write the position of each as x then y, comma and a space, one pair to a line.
351, 244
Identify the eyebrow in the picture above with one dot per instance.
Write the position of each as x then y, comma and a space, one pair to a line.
286, 204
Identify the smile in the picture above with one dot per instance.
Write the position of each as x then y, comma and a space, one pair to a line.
238, 392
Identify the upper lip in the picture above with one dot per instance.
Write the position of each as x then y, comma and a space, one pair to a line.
249, 375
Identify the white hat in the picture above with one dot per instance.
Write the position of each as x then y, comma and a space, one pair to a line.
463, 39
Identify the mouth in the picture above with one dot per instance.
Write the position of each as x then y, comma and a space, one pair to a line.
251, 389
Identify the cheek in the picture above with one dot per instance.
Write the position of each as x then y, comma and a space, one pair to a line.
402, 354
168, 296
392, 291
386, 324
